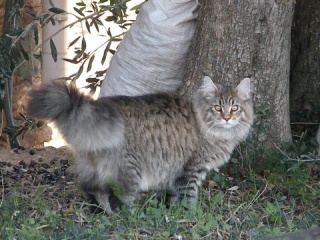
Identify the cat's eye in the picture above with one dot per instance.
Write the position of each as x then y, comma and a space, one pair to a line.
234, 108
217, 108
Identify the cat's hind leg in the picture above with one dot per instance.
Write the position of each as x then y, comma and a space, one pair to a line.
129, 178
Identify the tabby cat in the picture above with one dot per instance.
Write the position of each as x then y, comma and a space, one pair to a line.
162, 142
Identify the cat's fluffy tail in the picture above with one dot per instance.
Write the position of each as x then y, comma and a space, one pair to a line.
86, 124
52, 100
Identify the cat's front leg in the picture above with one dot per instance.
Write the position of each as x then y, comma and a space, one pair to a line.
104, 199
187, 185
171, 197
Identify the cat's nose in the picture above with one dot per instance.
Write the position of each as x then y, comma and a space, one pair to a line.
227, 118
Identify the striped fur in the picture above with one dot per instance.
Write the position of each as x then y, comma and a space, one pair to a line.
161, 142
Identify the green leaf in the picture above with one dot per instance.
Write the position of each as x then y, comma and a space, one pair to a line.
116, 39
111, 19
39, 124
37, 56
95, 24
79, 72
92, 80
109, 33
90, 63
51, 4
24, 53
74, 41
79, 11
98, 21
121, 21
56, 10
27, 29
88, 26
15, 54
105, 52
74, 61
52, 21
21, 3
36, 34
137, 7
17, 32
94, 7
100, 73
83, 45
53, 48
81, 4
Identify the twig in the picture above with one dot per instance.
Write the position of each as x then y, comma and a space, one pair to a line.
1, 127
43, 226
257, 196
304, 123
2, 182
298, 159
206, 236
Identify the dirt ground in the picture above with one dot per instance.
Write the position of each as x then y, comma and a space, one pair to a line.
48, 167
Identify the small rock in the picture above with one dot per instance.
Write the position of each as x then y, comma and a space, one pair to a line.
36, 182
13, 176
40, 159
3, 184
16, 151
22, 148
16, 168
42, 171
33, 164
64, 168
53, 161
22, 162
63, 162
45, 165
32, 152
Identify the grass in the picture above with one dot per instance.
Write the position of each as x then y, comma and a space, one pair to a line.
261, 192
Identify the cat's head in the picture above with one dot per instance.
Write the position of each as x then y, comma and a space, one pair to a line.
223, 112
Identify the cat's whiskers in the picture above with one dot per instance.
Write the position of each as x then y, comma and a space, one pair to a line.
209, 130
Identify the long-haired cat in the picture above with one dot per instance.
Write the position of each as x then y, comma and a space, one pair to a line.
162, 142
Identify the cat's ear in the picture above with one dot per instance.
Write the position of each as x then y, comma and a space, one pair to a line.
208, 86
243, 89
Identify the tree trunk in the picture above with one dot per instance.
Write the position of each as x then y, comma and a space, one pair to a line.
305, 60
247, 38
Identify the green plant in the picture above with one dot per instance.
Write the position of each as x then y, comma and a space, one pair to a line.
14, 56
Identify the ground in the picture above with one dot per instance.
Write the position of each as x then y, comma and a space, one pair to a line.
35, 166
268, 196
31, 169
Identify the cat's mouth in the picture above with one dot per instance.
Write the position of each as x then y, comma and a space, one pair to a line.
227, 124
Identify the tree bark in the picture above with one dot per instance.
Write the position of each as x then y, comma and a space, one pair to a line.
236, 39
305, 58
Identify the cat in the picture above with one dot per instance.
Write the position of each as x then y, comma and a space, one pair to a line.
162, 142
